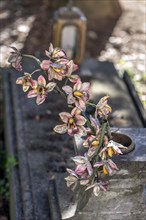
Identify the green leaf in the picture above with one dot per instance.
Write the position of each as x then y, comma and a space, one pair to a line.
83, 198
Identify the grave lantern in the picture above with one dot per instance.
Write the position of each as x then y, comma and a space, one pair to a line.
69, 31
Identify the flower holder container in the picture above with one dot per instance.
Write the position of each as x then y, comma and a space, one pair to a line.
125, 140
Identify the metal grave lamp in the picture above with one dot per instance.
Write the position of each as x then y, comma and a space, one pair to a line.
69, 31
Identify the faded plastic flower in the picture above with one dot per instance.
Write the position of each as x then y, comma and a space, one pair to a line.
40, 89
97, 187
79, 95
55, 53
95, 124
16, 59
73, 123
92, 142
114, 148
102, 108
71, 68
83, 165
72, 179
111, 148
26, 81
109, 167
55, 70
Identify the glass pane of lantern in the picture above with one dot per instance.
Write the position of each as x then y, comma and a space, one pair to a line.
69, 37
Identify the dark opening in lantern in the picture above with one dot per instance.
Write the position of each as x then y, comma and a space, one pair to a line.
69, 32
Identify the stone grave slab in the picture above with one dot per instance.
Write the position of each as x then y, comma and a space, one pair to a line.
41, 153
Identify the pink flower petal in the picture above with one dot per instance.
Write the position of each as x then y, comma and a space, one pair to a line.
70, 132
98, 164
40, 99
95, 123
31, 94
75, 111
91, 151
70, 99
112, 164
51, 48
19, 80
65, 62
84, 182
74, 78
96, 190
50, 86
80, 104
80, 120
45, 64
34, 83
71, 182
85, 86
65, 116
41, 81
50, 74
82, 131
78, 85
71, 172
89, 168
80, 169
61, 129
78, 159
90, 186
67, 89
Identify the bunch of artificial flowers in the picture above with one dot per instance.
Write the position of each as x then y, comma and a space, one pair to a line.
95, 164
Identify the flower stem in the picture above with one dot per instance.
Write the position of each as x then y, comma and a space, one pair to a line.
61, 93
108, 130
35, 71
88, 123
66, 81
33, 57
92, 104
103, 128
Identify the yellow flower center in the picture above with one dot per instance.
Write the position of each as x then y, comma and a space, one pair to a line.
95, 143
57, 70
110, 151
105, 171
40, 90
78, 94
71, 122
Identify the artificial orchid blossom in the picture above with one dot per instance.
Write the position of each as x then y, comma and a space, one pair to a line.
26, 81
16, 59
92, 142
73, 123
102, 108
111, 148
71, 68
55, 53
108, 166
41, 89
59, 69
95, 124
78, 95
72, 179
83, 165
55, 70
97, 187
114, 148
